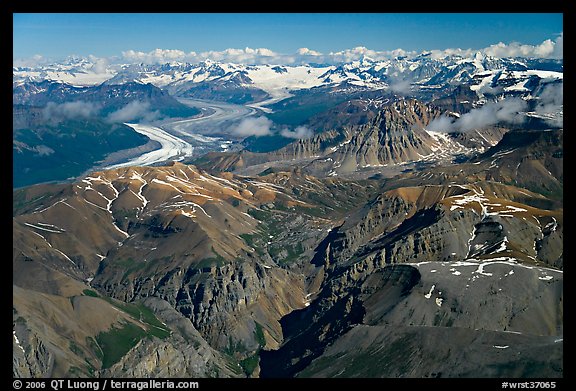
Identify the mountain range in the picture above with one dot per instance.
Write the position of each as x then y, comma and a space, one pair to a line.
416, 231
253, 83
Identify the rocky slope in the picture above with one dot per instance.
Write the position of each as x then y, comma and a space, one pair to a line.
216, 259
402, 270
282, 273
475, 258
389, 132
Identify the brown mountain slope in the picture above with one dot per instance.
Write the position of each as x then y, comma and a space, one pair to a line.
280, 272
220, 251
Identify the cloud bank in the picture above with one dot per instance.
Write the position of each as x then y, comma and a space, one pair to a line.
507, 111
34, 61
547, 49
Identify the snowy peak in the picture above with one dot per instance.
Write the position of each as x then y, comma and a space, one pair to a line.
416, 75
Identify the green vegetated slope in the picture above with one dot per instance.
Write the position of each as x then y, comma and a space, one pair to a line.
56, 152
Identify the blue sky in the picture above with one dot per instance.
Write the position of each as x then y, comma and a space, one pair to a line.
104, 35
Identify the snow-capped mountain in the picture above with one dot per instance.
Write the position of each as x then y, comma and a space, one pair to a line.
75, 71
254, 83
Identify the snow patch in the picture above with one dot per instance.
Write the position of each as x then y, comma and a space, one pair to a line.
17, 341
65, 256
429, 294
189, 215
45, 229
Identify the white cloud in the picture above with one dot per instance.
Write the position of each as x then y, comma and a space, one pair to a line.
134, 110
549, 48
43, 150
260, 56
359, 52
551, 98
308, 52
442, 124
253, 126
34, 61
507, 111
550, 103
515, 49
299, 133
559, 47
401, 87
242, 56
439, 54
157, 56
57, 112
100, 65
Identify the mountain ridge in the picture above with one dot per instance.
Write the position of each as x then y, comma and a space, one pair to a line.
299, 253
407, 218
421, 74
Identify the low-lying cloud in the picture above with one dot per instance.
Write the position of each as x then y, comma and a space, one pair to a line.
505, 111
550, 103
43, 150
135, 110
263, 126
301, 132
400, 87
551, 98
58, 112
253, 126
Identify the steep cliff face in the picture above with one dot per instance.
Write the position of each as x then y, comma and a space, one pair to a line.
86, 335
309, 148
431, 257
38, 362
184, 354
225, 303
431, 223
395, 135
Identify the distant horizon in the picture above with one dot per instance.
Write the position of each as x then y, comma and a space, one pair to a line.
283, 39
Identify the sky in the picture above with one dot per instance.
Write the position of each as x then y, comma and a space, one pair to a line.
156, 37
